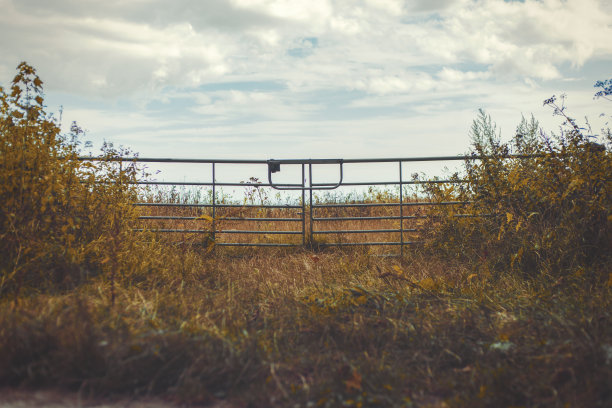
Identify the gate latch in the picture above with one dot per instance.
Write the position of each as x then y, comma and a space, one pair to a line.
273, 166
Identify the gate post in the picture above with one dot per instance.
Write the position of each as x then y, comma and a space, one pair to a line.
303, 205
401, 205
311, 209
214, 207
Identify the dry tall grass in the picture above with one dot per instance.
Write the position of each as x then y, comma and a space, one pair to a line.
329, 329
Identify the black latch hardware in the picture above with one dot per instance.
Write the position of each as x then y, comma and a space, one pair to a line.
273, 166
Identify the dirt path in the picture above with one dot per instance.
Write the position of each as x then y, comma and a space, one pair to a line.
11, 398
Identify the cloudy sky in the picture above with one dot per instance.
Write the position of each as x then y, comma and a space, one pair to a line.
307, 78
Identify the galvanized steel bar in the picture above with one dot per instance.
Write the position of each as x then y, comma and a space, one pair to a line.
320, 186
303, 204
256, 244
391, 204
401, 202
306, 161
386, 183
395, 217
381, 218
185, 231
210, 205
323, 244
363, 231
260, 219
243, 244
203, 183
167, 217
198, 231
214, 208
170, 160
233, 231
297, 206
311, 209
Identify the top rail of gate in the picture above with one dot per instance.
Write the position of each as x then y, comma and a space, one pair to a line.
303, 161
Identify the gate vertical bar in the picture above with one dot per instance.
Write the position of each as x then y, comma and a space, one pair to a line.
303, 205
311, 215
214, 205
401, 206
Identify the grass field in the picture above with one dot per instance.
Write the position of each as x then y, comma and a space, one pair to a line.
337, 328
296, 327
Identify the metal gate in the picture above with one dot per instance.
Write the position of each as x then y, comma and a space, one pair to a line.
393, 221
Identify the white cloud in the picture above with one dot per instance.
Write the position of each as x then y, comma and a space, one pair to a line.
454, 75
118, 48
350, 66
113, 57
526, 39
393, 7
310, 11
241, 106
383, 84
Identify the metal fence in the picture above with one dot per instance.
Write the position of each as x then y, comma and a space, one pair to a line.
307, 221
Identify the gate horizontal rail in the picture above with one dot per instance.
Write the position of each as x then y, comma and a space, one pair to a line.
307, 211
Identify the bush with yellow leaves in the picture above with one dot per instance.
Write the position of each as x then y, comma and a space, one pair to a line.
61, 219
543, 203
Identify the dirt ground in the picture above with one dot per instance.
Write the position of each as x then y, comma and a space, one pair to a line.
11, 398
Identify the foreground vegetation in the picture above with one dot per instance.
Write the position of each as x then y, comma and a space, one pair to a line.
511, 311
328, 329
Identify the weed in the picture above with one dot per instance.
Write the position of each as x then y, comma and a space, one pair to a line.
548, 209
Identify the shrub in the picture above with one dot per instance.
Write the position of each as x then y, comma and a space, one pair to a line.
61, 219
542, 202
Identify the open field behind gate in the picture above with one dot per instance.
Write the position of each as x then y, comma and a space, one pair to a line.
305, 211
